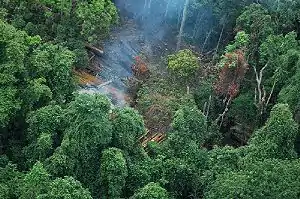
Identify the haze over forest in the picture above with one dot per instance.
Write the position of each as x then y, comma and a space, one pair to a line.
149, 99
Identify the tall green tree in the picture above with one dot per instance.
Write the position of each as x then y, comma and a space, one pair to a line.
128, 127
183, 64
89, 131
55, 64
10, 179
68, 23
257, 22
14, 48
44, 132
151, 191
36, 182
113, 172
276, 139
290, 93
267, 179
189, 124
64, 188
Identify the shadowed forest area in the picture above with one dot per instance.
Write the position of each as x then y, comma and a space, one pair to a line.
149, 99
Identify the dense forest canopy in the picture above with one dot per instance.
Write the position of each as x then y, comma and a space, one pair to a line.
213, 111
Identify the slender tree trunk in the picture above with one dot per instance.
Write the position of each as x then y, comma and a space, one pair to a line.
197, 24
167, 9
222, 115
219, 41
150, 3
95, 50
260, 100
178, 18
144, 10
182, 24
205, 41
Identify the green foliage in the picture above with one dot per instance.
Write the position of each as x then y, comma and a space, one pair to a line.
182, 178
9, 105
36, 182
151, 191
205, 96
234, 52
228, 10
214, 135
139, 174
241, 41
68, 23
276, 139
159, 99
13, 49
222, 160
267, 179
285, 12
10, 180
243, 110
257, 22
92, 150
113, 172
128, 127
190, 124
31, 76
48, 119
89, 131
65, 188
55, 64
40, 149
277, 45
3, 14
154, 149
4, 191
45, 127
89, 120
290, 93
281, 53
183, 64
97, 16
63, 160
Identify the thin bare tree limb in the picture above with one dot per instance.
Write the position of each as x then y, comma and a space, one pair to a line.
208, 107
260, 100
271, 93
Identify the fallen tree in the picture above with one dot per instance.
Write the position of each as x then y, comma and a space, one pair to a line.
94, 50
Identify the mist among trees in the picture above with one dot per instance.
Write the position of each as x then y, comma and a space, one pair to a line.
149, 99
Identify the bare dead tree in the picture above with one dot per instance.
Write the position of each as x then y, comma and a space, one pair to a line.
167, 9
206, 40
184, 17
220, 37
92, 57
271, 93
222, 115
150, 3
208, 106
197, 24
261, 100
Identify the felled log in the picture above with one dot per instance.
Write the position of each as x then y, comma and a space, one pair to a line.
93, 49
105, 84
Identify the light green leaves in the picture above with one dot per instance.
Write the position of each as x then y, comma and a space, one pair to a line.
183, 64
151, 191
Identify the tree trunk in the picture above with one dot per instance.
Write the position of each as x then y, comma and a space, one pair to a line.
93, 49
182, 24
